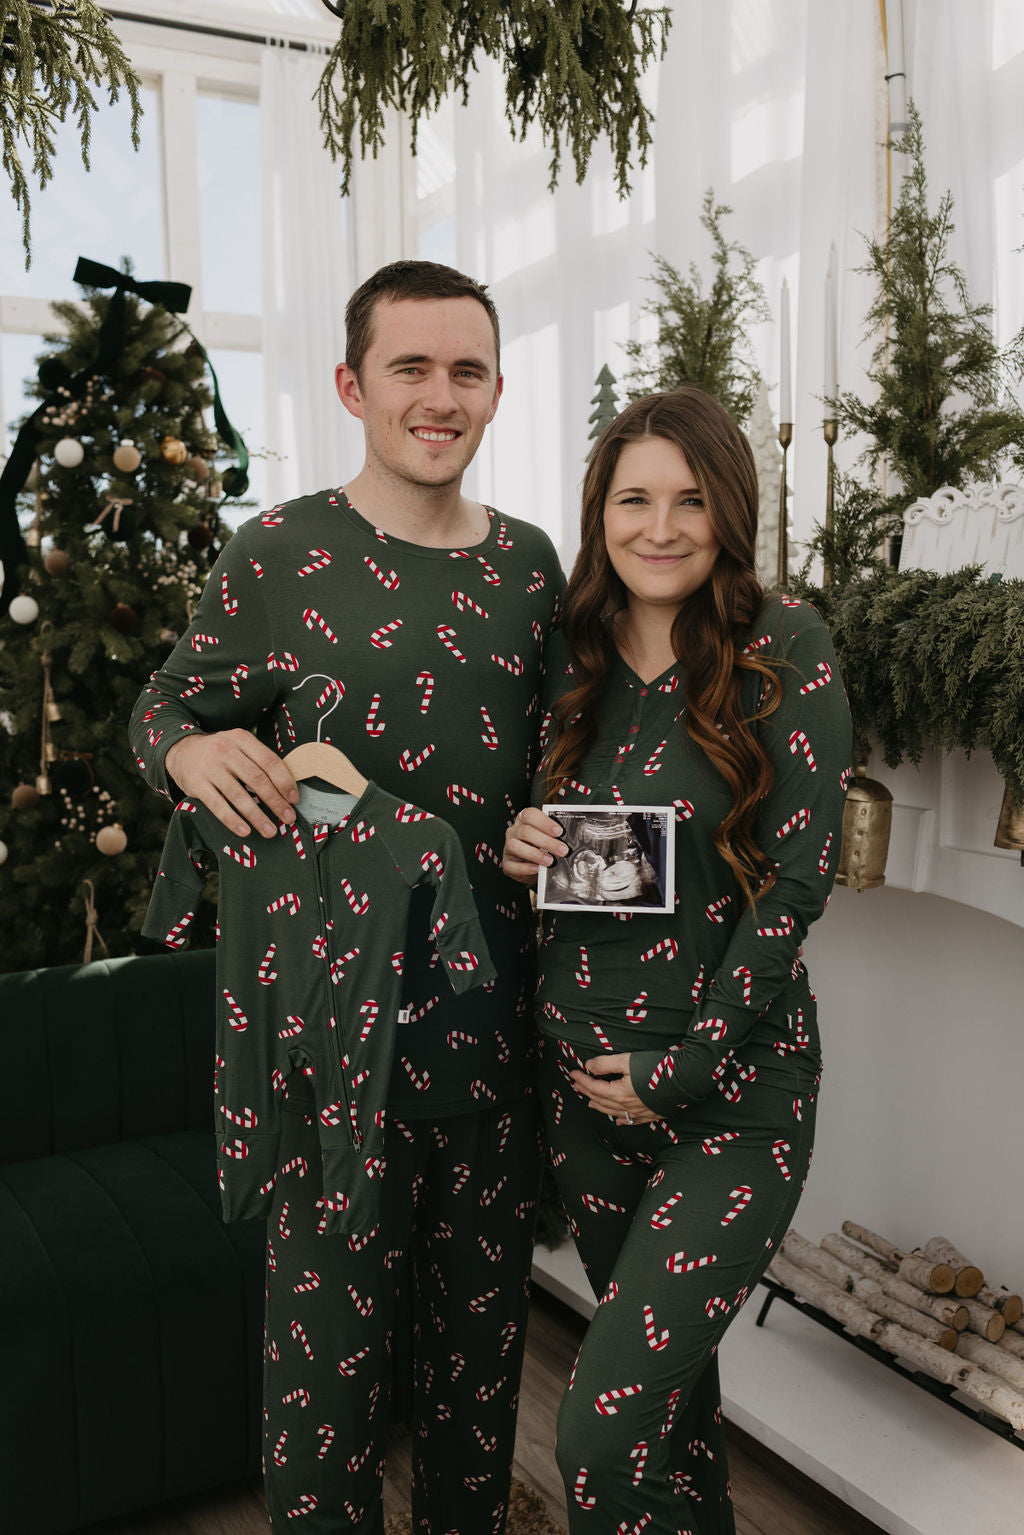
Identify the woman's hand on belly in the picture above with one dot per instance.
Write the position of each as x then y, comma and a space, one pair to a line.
610, 1090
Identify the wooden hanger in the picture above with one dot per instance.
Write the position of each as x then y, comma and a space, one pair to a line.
318, 759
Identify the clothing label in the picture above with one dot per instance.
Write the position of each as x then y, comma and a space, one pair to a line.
324, 807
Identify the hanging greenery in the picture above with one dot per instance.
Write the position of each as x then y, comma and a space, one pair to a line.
703, 335
931, 661
51, 55
942, 412
573, 68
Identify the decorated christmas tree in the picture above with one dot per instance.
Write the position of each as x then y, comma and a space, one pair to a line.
121, 513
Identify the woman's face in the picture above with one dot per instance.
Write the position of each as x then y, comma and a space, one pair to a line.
657, 531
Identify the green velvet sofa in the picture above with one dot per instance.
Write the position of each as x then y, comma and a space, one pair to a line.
130, 1317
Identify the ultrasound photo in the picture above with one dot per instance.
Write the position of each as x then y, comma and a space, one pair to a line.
621, 858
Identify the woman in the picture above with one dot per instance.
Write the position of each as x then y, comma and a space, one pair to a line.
679, 1059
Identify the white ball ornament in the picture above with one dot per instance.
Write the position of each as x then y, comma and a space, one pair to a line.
69, 452
24, 610
127, 457
111, 840
3, 852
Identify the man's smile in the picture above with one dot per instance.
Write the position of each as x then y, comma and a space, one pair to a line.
433, 434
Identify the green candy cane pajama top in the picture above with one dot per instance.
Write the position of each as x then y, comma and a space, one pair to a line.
675, 1221
425, 667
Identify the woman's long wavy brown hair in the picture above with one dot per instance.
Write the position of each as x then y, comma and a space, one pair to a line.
711, 628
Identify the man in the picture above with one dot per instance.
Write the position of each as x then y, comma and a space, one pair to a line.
418, 618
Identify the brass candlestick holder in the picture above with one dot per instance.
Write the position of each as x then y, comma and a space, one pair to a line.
830, 429
785, 438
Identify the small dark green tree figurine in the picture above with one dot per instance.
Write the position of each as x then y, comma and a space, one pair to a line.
703, 334
606, 406
124, 525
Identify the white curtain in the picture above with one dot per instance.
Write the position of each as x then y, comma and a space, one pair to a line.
307, 278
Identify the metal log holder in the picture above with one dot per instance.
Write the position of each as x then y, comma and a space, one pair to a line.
990, 1420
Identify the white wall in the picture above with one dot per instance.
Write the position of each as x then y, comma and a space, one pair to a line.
921, 1126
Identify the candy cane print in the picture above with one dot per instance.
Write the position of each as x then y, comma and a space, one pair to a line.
298, 1333
306, 1504
447, 635
278, 1083
420, 1083
667, 946
479, 1302
379, 638
155, 737
327, 1433
583, 973
515, 666
319, 559
347, 1366
716, 1303
622, 1528
487, 1441
484, 1393
408, 763
579, 1486
457, 1037
698, 1447
238, 676
778, 1147
712, 1144
309, 1281
286, 662
360, 904
368, 1012
491, 576
356, 1244
680, 1264
280, 1459
300, 1395
335, 689
488, 1196
717, 1026
257, 567
387, 578
463, 1172
664, 1068
503, 539
484, 850
799, 820
594, 1203
199, 642
312, 619
238, 1021
175, 938
607, 1403
783, 930
504, 1131
432, 861
742, 970
742, 1195
462, 602
247, 1119
661, 1218
823, 858
372, 727
197, 687
236, 1149
356, 1461
602, 1037
798, 742
819, 682
652, 765
636, 1012
362, 831
297, 1164
243, 856
713, 911
423, 1009
536, 582
289, 901
494, 1253
559, 1103
295, 1026
489, 736
364, 1307
457, 792
844, 778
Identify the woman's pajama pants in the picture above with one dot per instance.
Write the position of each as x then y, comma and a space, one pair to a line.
675, 1223
453, 1251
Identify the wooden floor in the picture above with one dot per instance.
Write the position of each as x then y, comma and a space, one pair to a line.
770, 1497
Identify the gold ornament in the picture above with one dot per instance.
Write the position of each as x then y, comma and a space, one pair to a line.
867, 822
1010, 830
173, 450
57, 562
111, 840
24, 796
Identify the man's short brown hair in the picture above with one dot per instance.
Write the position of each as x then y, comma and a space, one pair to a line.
402, 280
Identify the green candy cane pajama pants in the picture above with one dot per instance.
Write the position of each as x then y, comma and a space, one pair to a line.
675, 1223
453, 1250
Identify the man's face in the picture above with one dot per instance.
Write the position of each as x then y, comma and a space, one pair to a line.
427, 387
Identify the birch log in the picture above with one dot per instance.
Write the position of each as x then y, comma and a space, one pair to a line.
807, 1256
1012, 1344
1009, 1306
988, 1323
814, 1288
969, 1278
993, 1359
994, 1393
946, 1309
936, 1277
872, 1294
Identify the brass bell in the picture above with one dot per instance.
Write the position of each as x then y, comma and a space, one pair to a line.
43, 785
53, 713
867, 822
1010, 831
